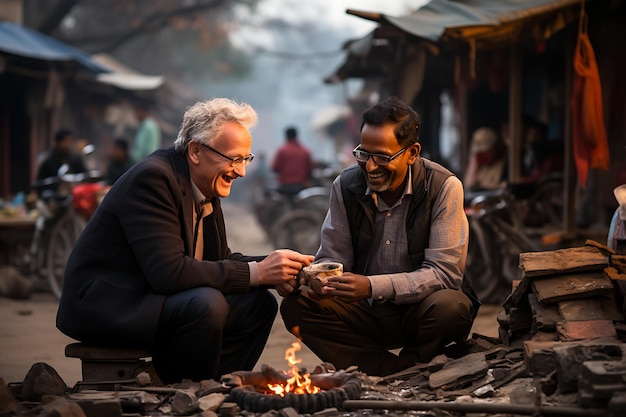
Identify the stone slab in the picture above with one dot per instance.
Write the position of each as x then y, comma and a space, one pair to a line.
572, 286
520, 318
544, 316
570, 357
570, 331
598, 308
585, 258
519, 292
539, 357
472, 365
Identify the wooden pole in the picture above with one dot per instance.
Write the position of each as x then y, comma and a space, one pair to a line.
515, 114
569, 176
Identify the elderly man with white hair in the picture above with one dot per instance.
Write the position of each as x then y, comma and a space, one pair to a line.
153, 268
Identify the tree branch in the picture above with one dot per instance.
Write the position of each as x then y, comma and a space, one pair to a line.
52, 21
151, 23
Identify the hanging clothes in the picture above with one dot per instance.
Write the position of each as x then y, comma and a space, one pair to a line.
591, 149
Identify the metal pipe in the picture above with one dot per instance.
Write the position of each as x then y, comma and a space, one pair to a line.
489, 408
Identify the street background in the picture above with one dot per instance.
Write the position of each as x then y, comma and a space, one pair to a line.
28, 333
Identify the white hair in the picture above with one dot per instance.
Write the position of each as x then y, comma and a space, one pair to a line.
204, 121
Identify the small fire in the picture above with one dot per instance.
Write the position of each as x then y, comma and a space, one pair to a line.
298, 384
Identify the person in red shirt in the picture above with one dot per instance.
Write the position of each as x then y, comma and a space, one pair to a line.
292, 164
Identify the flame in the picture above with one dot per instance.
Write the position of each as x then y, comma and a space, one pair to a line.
298, 384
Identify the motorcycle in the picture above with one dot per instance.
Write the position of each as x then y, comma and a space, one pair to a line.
65, 203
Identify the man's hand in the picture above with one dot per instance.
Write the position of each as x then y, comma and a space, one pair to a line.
348, 286
285, 288
281, 268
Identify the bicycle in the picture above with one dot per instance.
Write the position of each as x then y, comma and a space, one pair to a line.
496, 239
66, 203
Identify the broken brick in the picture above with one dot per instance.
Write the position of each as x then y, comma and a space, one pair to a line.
570, 331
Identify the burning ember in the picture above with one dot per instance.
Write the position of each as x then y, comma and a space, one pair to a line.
298, 384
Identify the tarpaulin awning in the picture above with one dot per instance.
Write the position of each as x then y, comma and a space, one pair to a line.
124, 77
22, 41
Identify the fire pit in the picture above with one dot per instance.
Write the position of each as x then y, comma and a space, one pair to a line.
272, 389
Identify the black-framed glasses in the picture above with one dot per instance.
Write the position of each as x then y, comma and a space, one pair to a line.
379, 159
245, 160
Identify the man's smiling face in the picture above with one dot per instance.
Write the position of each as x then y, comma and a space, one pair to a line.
212, 173
386, 180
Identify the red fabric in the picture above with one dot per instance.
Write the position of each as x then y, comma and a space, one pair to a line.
85, 198
293, 164
591, 149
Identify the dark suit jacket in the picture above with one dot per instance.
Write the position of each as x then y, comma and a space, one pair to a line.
137, 249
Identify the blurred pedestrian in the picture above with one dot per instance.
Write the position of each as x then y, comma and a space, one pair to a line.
62, 153
540, 156
119, 161
293, 165
486, 168
148, 137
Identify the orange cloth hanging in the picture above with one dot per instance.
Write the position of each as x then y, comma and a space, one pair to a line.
591, 148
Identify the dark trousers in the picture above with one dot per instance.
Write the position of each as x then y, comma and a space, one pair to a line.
203, 334
356, 333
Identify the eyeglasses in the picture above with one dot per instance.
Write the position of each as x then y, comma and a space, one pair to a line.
379, 159
245, 160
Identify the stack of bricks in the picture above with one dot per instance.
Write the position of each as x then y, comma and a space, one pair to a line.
567, 313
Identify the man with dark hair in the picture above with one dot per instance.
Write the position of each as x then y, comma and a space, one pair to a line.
119, 161
61, 153
396, 223
293, 164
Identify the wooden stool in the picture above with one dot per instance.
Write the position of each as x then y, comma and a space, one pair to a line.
107, 363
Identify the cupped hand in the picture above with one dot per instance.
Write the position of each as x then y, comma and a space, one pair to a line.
282, 266
348, 286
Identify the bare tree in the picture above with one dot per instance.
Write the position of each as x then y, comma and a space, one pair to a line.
171, 37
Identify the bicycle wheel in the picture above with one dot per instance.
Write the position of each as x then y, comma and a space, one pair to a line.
479, 270
63, 236
298, 230
512, 243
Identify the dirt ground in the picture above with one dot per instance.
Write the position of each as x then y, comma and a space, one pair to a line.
28, 333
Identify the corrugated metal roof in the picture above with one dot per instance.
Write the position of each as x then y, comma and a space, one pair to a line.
440, 17
486, 21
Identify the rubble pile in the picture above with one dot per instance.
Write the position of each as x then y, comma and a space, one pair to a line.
561, 351
567, 313
561, 342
